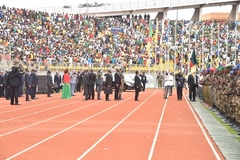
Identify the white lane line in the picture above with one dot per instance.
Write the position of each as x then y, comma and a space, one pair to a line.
203, 131
66, 129
17, 109
95, 144
2, 135
24, 102
25, 115
157, 132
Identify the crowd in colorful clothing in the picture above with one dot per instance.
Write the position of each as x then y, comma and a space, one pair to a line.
28, 35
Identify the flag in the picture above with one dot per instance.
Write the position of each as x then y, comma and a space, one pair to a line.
150, 32
193, 59
156, 33
149, 38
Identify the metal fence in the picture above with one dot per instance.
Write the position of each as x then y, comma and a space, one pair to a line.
42, 67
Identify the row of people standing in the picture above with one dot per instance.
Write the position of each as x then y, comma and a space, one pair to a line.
12, 82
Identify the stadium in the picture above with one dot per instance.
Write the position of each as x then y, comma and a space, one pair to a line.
126, 36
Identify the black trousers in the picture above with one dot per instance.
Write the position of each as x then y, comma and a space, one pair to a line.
49, 91
192, 92
33, 92
7, 92
1, 91
78, 87
14, 95
106, 96
116, 94
28, 92
91, 92
179, 93
57, 89
144, 85
137, 90
86, 92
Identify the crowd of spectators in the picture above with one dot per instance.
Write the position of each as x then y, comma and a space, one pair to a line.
28, 35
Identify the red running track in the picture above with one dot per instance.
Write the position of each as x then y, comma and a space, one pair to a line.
152, 128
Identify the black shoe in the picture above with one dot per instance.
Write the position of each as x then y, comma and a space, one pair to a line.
28, 100
99, 99
17, 104
11, 103
49, 96
107, 99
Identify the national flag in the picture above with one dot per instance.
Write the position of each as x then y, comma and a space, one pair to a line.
149, 38
150, 32
156, 33
193, 59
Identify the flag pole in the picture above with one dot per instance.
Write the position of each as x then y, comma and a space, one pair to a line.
203, 44
189, 53
211, 44
218, 44
227, 41
182, 45
235, 50
149, 47
174, 58
161, 49
156, 40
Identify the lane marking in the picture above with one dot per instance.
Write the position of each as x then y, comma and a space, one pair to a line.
17, 109
157, 131
203, 131
24, 102
25, 115
95, 144
2, 135
66, 129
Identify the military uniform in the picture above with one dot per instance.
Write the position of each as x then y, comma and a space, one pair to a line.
159, 80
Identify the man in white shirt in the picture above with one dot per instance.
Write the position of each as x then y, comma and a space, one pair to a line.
167, 84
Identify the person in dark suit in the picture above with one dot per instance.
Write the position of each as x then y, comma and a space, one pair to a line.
79, 81
34, 84
108, 83
7, 89
57, 81
20, 91
192, 85
117, 79
143, 80
14, 82
1, 84
28, 83
137, 85
92, 80
180, 80
49, 83
85, 83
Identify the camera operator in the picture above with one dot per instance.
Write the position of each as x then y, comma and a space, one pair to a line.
14, 82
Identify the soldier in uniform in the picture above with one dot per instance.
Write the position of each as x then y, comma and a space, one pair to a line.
121, 89
159, 80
